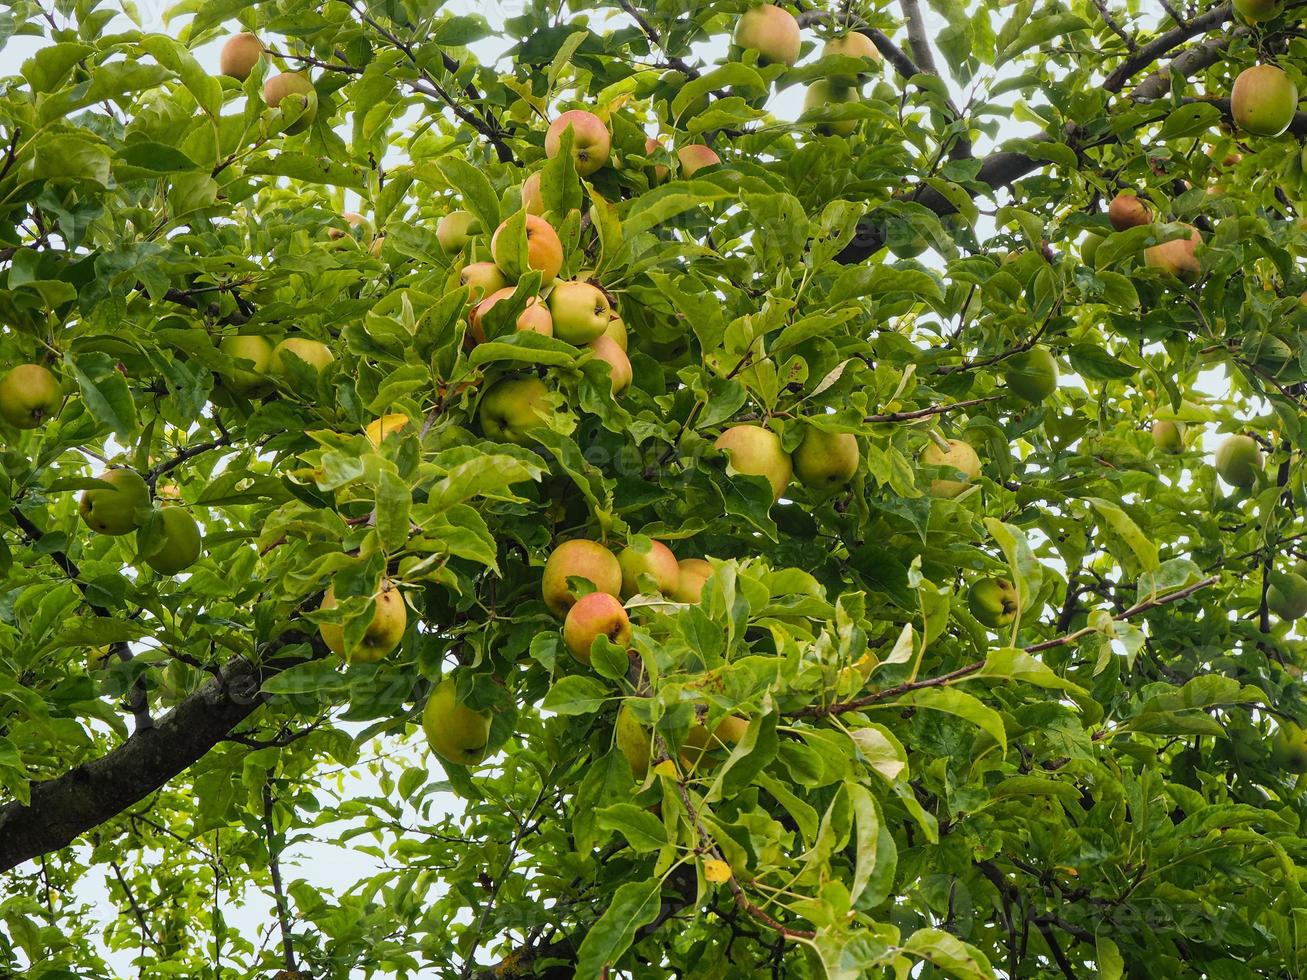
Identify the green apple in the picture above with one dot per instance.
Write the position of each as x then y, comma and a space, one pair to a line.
633, 742
582, 559
29, 394
292, 87
1168, 436
994, 602
1089, 247
239, 55
482, 279
115, 509
383, 634
580, 310
824, 92
961, 457
1256, 11
314, 353
1263, 100
1238, 460
455, 229
616, 331
1031, 375
513, 407
692, 575
254, 350
852, 45
591, 143
593, 615
181, 542
755, 451
772, 32
455, 732
654, 567
1289, 747
702, 749
826, 460
1287, 595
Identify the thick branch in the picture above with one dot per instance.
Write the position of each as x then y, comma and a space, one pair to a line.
918, 38
1161, 45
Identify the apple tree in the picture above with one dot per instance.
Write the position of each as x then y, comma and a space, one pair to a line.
679, 489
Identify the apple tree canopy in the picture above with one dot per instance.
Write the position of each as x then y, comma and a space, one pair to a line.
964, 342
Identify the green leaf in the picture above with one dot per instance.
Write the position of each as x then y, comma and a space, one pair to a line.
633, 905
1015, 664
105, 391
1128, 531
478, 196
393, 502
576, 695
642, 830
955, 702
958, 959
1095, 364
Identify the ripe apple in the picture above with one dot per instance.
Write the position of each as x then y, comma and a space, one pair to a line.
824, 92
580, 310
1031, 375
694, 157
1287, 596
383, 634
660, 171
591, 143
312, 352
619, 365
1128, 211
633, 742
455, 229
181, 546
482, 279
700, 747
692, 576
239, 55
29, 394
616, 331
258, 352
994, 602
356, 222
658, 565
379, 430
114, 510
595, 614
1263, 100
961, 457
513, 407
1289, 748
1238, 460
1168, 436
544, 250
1176, 257
534, 319
533, 200
295, 86
1256, 11
578, 558
851, 45
772, 32
755, 451
455, 732
826, 460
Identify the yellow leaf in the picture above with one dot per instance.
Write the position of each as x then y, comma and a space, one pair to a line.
716, 871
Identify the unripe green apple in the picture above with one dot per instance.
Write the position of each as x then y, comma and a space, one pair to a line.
961, 457
1289, 748
115, 509
544, 249
1168, 436
593, 615
181, 545
852, 45
239, 55
383, 634
772, 32
1263, 100
1257, 11
823, 92
482, 279
29, 394
258, 352
755, 451
513, 407
578, 558
1238, 460
591, 143
826, 460
580, 310
315, 354
701, 748
1128, 211
1031, 375
358, 225
1176, 257
994, 602
295, 86
1089, 247
633, 742
694, 157
455, 732
692, 576
657, 567
616, 331
1287, 595
455, 229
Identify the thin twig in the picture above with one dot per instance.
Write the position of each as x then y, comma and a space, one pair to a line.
922, 413
1115, 28
274, 869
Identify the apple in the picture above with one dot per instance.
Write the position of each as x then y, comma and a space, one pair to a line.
692, 575
591, 143
619, 365
295, 86
580, 310
1168, 436
482, 279
595, 614
1089, 247
633, 742
312, 352
253, 349
694, 157
660, 171
826, 460
544, 250
1031, 375
455, 732
1287, 595
1289, 748
851, 45
355, 221
532, 198
181, 545
960, 456
1128, 211
699, 742
616, 331
755, 451
534, 319
98, 658
657, 565
1238, 460
1263, 100
379, 430
239, 55
455, 229
1256, 11
29, 394
384, 632
1176, 257
772, 32
578, 558
513, 407
114, 509
824, 92
994, 602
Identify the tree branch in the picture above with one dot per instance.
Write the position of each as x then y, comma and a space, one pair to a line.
922, 413
918, 38
274, 870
